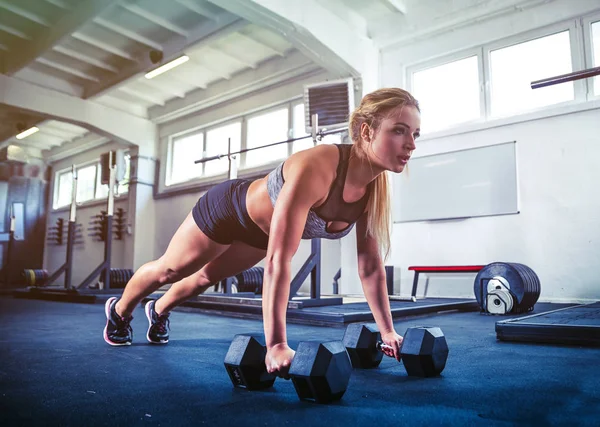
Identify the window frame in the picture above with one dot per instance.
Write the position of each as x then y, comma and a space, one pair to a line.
259, 113
447, 59
170, 146
581, 55
92, 201
576, 63
586, 25
202, 183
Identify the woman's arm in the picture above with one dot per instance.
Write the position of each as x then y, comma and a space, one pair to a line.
372, 276
305, 185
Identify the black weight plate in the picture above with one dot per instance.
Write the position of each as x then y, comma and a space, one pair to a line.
503, 269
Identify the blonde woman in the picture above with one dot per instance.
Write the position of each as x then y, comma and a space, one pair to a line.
321, 192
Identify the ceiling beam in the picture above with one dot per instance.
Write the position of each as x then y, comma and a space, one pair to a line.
270, 48
81, 144
58, 3
92, 41
65, 69
233, 57
85, 58
24, 13
78, 15
158, 20
209, 31
274, 72
14, 32
106, 121
142, 96
336, 45
132, 35
200, 9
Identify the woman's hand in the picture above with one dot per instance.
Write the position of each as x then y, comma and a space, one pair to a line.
392, 342
278, 360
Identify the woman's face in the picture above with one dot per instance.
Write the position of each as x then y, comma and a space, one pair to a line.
394, 142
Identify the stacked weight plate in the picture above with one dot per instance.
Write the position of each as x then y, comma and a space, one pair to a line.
250, 280
523, 281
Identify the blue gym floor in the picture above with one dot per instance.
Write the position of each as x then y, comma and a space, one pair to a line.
57, 370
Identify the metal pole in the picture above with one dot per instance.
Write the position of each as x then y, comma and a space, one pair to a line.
71, 229
108, 219
577, 75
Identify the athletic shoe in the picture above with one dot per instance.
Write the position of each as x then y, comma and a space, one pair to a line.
158, 326
118, 330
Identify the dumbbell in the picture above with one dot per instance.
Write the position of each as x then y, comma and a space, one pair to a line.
423, 352
320, 371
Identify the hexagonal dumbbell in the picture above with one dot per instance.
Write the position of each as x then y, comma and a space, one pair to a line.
320, 371
424, 350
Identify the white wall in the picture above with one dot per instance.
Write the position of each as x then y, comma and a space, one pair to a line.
556, 232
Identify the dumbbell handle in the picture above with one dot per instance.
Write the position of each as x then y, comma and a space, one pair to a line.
383, 346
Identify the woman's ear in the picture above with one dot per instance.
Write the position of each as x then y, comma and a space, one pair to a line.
365, 132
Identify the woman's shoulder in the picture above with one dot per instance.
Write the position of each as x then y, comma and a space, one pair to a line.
316, 164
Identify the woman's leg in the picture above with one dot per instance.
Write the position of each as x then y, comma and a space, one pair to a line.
189, 250
237, 258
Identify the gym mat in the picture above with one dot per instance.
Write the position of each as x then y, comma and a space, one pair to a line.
578, 325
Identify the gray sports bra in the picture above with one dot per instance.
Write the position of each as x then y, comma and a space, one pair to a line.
316, 226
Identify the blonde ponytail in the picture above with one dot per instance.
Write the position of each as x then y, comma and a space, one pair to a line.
372, 110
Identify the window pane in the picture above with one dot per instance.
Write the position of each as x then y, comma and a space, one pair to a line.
86, 183
267, 129
448, 94
217, 143
64, 183
184, 152
596, 54
299, 130
513, 69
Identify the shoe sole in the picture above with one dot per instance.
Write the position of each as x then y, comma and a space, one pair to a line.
107, 312
149, 317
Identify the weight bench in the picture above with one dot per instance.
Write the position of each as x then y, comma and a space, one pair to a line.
441, 269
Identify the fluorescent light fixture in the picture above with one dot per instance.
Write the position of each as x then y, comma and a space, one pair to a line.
168, 66
27, 133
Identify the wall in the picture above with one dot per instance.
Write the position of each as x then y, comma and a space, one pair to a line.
556, 232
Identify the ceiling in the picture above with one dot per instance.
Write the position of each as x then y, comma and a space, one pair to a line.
103, 56
101, 49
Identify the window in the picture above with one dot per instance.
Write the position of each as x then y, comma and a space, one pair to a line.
596, 54
448, 94
64, 189
513, 68
86, 183
266, 129
217, 141
184, 151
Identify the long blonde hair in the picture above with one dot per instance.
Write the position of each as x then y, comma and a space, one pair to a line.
373, 109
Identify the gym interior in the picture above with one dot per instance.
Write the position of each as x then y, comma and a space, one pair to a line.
117, 115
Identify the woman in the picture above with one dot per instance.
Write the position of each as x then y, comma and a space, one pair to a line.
320, 192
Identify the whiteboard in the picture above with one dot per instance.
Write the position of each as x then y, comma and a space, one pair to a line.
459, 184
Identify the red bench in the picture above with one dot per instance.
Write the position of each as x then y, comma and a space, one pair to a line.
441, 269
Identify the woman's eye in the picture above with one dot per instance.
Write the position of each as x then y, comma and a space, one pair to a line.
416, 135
400, 131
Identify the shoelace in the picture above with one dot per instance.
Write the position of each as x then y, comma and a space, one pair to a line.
162, 323
123, 324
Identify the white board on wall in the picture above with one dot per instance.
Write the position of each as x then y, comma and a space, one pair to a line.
459, 184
